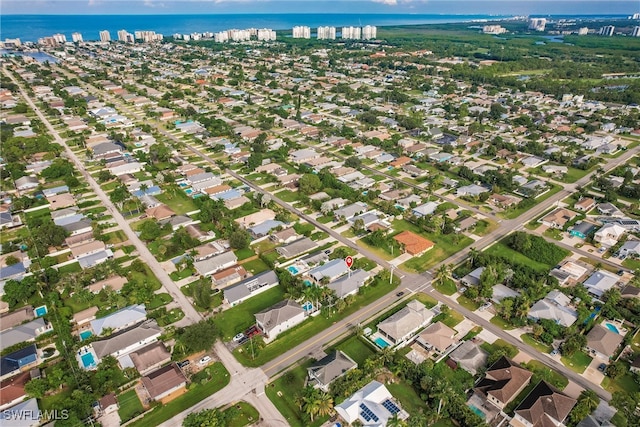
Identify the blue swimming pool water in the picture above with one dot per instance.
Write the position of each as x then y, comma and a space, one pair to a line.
307, 282
477, 411
188, 191
87, 360
612, 328
307, 306
381, 343
183, 185
84, 335
293, 270
41, 311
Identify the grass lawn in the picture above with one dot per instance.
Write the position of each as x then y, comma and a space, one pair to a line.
467, 303
427, 300
53, 401
287, 195
624, 383
282, 395
484, 227
240, 317
310, 327
501, 323
409, 399
499, 344
452, 318
197, 392
130, 406
445, 246
578, 362
244, 253
501, 250
159, 300
182, 274
325, 219
355, 348
447, 288
256, 266
511, 214
117, 236
633, 264
541, 347
242, 414
382, 253
180, 202
549, 375
70, 268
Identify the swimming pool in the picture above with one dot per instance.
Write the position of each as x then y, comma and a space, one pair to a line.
307, 283
612, 328
41, 311
188, 191
381, 342
183, 184
293, 270
307, 306
88, 361
85, 335
477, 411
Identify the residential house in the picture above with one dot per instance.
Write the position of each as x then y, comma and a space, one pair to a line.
558, 218
350, 283
124, 342
150, 357
582, 229
12, 390
600, 282
331, 270
400, 326
568, 270
296, 248
209, 266
602, 342
372, 405
247, 288
256, 218
608, 209
348, 212
503, 381
413, 243
437, 337
26, 183
555, 306
609, 234
469, 356
334, 365
24, 414
501, 292
630, 248
264, 228
160, 212
424, 209
120, 319
585, 204
19, 360
287, 235
472, 190
24, 332
114, 283
473, 278
16, 317
164, 383
107, 404
543, 406
278, 318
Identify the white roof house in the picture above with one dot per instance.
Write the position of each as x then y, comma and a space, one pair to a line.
401, 325
372, 405
24, 414
425, 209
609, 234
600, 282
216, 263
332, 270
631, 247
121, 319
555, 306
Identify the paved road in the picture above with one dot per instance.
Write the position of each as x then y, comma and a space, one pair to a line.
246, 384
191, 315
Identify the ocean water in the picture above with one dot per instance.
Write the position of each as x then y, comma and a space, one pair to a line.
32, 27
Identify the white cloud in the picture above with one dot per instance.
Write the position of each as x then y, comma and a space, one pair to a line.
387, 2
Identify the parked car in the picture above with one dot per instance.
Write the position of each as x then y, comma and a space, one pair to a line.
484, 306
184, 363
602, 367
204, 360
252, 331
620, 273
238, 337
399, 294
554, 352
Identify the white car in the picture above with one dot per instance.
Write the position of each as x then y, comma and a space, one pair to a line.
238, 337
204, 360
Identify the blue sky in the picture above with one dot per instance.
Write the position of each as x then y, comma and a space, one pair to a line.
501, 7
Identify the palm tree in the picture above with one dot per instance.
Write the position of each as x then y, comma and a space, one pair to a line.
473, 255
325, 404
442, 274
394, 421
311, 402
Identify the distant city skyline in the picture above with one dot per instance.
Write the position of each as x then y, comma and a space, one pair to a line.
462, 7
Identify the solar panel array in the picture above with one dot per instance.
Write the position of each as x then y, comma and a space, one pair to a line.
367, 413
391, 407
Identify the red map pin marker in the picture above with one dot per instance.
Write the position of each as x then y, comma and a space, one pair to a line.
349, 261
